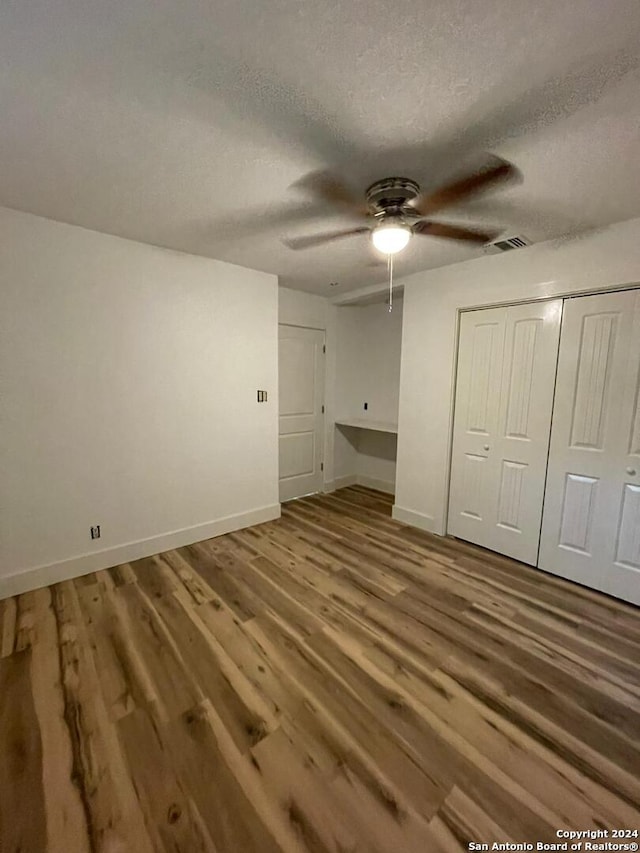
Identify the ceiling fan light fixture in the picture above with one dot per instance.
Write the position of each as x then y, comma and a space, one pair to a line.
390, 238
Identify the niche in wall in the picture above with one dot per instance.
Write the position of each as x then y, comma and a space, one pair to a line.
373, 462
368, 350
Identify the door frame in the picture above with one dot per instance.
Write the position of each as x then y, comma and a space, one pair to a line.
573, 294
324, 454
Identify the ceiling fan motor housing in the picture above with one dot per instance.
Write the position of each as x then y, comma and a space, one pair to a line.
392, 195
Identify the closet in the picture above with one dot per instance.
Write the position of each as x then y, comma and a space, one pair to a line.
546, 442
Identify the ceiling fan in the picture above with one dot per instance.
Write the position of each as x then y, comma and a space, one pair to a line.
394, 209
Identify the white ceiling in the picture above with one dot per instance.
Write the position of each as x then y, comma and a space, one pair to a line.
183, 124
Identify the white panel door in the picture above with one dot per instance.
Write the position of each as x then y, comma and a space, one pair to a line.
301, 393
591, 526
504, 396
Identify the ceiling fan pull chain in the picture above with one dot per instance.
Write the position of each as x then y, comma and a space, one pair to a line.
390, 266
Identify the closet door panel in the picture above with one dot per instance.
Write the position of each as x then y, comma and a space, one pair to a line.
478, 385
504, 395
628, 544
591, 524
522, 443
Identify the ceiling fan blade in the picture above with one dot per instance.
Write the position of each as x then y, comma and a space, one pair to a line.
320, 239
496, 172
454, 232
257, 221
332, 189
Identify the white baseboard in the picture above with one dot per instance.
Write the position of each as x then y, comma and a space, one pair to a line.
387, 486
415, 519
359, 480
74, 567
340, 483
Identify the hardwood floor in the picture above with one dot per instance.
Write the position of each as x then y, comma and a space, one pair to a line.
331, 681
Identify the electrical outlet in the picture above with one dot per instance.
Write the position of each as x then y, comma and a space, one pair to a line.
366, 406
262, 396
95, 532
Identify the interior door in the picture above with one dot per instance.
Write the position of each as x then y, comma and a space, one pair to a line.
504, 396
301, 393
591, 526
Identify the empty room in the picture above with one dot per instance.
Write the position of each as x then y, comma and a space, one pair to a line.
319, 426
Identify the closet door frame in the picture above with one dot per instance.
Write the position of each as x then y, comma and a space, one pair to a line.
566, 294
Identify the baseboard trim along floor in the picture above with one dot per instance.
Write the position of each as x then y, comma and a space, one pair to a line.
74, 567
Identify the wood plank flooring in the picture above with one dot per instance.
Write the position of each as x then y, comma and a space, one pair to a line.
331, 681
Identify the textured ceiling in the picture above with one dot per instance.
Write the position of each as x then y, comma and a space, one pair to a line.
183, 124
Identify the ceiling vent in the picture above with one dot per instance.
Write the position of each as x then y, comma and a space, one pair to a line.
505, 245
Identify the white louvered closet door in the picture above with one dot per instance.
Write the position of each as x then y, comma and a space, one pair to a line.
591, 525
504, 396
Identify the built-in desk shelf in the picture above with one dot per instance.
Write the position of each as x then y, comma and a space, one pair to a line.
364, 423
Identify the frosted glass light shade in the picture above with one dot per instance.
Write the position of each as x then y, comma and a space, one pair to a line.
391, 238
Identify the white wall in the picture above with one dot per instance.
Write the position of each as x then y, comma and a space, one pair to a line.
129, 399
296, 308
376, 460
368, 361
602, 259
345, 461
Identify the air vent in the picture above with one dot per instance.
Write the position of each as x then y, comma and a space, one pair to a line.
517, 242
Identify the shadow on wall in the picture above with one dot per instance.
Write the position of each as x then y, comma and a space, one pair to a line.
379, 444
382, 445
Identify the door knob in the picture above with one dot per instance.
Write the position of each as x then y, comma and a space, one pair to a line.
486, 447
631, 471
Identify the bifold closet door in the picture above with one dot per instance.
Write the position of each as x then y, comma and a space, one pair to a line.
591, 525
504, 396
